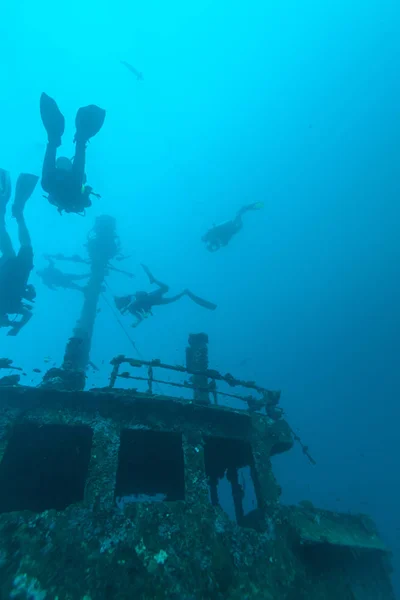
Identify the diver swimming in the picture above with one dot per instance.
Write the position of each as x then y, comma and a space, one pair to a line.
63, 179
54, 278
140, 304
220, 235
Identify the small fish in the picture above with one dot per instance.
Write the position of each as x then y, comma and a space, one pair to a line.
139, 76
36, 370
47, 359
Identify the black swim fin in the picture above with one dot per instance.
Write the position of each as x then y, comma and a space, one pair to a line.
26, 183
52, 119
5, 188
201, 301
89, 120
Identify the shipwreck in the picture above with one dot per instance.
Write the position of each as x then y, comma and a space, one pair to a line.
121, 493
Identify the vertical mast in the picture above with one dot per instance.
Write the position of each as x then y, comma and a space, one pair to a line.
102, 246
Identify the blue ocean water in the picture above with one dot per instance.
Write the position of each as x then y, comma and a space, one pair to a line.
293, 104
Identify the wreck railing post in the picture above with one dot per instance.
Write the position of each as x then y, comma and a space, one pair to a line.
197, 363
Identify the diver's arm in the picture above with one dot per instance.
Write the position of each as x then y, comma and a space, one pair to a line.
5, 321
139, 319
18, 325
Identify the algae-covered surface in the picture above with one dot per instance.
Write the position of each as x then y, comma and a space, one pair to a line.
113, 496
324, 527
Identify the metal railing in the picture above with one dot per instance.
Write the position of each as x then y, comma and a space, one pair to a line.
266, 398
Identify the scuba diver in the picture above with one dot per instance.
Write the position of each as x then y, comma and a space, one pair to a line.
141, 303
64, 180
138, 74
15, 268
54, 278
221, 235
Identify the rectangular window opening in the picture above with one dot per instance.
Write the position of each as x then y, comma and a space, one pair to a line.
44, 467
232, 479
150, 467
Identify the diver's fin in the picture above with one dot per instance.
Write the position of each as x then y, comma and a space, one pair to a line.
89, 120
26, 183
256, 206
201, 301
252, 206
52, 119
5, 188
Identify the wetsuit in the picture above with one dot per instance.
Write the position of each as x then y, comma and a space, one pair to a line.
66, 188
62, 179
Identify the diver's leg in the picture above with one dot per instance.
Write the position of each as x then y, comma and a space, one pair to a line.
241, 211
23, 233
200, 301
5, 188
164, 288
49, 167
172, 298
248, 207
6, 247
54, 123
25, 254
26, 184
78, 165
238, 223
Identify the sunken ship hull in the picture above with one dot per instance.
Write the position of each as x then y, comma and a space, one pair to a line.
71, 462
